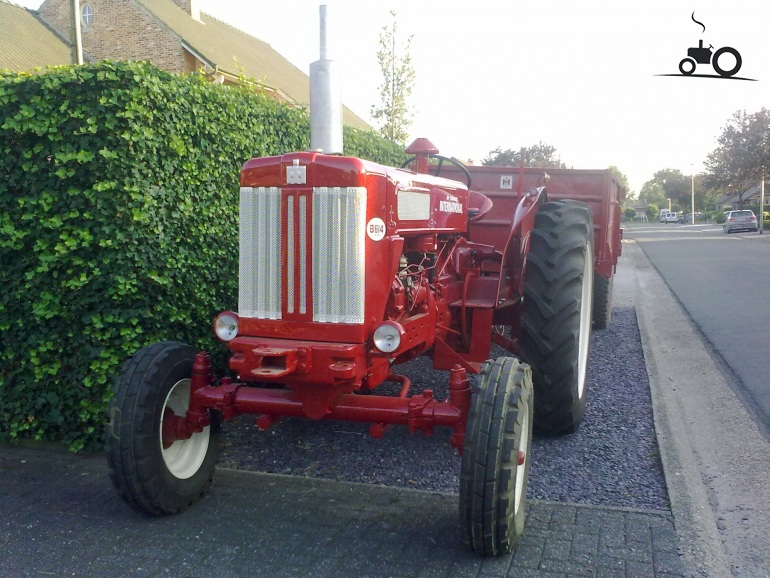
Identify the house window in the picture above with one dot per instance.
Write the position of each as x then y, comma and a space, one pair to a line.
86, 15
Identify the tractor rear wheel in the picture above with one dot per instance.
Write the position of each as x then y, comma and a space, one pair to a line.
152, 476
557, 313
602, 301
496, 452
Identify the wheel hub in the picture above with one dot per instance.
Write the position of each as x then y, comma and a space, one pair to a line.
183, 450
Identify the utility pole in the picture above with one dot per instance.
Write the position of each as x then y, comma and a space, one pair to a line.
762, 204
692, 213
77, 43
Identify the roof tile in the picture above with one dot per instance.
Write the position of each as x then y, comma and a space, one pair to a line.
48, 48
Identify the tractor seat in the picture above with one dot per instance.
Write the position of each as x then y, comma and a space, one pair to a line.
478, 205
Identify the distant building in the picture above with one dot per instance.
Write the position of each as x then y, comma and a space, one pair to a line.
172, 34
750, 196
641, 210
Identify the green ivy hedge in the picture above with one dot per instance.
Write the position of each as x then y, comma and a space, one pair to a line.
118, 226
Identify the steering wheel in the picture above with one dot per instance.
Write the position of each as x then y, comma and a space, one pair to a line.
441, 159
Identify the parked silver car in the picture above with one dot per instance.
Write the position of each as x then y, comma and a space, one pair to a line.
744, 220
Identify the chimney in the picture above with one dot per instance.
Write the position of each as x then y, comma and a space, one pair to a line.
191, 7
325, 101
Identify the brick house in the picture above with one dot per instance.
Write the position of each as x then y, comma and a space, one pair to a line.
735, 201
172, 34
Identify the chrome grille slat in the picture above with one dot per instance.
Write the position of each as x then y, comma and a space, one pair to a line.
339, 215
290, 254
303, 254
259, 270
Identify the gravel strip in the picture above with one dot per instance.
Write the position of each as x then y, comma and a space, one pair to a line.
612, 460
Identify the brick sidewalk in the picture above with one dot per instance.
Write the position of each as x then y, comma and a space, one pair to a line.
60, 516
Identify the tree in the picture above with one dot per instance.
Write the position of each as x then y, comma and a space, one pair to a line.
653, 193
622, 179
676, 185
393, 114
539, 155
669, 184
743, 151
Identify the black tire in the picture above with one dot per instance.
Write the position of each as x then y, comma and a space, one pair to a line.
150, 478
736, 67
493, 485
602, 306
690, 66
557, 313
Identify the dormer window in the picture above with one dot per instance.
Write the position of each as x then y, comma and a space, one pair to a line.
86, 15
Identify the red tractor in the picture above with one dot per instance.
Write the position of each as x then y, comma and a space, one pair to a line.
348, 269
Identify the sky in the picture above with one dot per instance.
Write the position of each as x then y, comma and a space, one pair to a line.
586, 77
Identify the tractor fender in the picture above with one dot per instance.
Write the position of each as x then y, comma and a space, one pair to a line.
517, 246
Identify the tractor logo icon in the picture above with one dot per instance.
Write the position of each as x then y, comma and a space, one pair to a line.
725, 61
700, 55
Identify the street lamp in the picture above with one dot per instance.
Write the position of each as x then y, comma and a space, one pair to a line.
692, 214
762, 204
762, 186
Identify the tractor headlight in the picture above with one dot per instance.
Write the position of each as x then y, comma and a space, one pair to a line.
226, 325
387, 337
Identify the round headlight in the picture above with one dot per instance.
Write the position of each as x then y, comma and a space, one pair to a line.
226, 325
387, 337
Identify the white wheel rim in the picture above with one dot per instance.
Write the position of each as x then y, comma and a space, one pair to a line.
183, 458
586, 311
521, 469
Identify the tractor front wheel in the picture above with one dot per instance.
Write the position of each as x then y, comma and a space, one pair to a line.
687, 66
151, 474
496, 454
557, 313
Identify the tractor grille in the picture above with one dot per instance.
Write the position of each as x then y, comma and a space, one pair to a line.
328, 225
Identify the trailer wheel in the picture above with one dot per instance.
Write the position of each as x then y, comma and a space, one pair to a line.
557, 313
152, 478
602, 305
496, 455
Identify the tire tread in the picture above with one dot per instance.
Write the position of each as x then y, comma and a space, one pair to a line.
488, 480
130, 434
551, 312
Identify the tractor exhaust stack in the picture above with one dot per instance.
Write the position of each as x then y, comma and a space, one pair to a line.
325, 101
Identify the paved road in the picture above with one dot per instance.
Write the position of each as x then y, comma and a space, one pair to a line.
716, 456
723, 282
